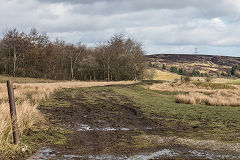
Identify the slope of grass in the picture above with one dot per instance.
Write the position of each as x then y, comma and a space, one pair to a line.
166, 76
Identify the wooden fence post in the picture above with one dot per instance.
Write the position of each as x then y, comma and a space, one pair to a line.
13, 112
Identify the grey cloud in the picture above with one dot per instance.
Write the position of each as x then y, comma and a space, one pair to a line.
73, 1
155, 22
213, 8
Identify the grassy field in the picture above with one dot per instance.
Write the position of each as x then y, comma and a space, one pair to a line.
197, 122
194, 121
137, 107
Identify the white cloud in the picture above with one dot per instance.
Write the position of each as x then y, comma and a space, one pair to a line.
180, 25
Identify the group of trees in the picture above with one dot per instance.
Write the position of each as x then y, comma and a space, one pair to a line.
34, 55
184, 72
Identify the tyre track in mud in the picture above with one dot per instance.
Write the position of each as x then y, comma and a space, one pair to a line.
99, 128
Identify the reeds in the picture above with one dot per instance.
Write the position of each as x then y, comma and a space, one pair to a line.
222, 98
206, 93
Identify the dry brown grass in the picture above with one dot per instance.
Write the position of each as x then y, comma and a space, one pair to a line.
28, 96
222, 98
202, 94
179, 87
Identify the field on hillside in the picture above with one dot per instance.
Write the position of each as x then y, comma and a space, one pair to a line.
168, 76
165, 76
210, 64
123, 120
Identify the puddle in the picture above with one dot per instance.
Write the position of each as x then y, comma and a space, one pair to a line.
164, 152
45, 153
106, 129
209, 155
72, 156
48, 153
85, 127
103, 157
171, 153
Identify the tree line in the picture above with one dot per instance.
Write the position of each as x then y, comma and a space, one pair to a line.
35, 55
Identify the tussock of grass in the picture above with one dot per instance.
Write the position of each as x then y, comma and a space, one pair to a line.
226, 98
213, 85
213, 94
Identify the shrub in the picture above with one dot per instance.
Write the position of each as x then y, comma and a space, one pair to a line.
174, 69
185, 79
163, 66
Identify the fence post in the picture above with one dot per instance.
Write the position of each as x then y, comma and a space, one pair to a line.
13, 112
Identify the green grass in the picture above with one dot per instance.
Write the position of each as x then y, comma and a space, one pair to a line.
195, 121
220, 123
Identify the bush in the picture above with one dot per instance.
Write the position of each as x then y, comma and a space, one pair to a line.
208, 79
185, 79
163, 66
174, 69
196, 73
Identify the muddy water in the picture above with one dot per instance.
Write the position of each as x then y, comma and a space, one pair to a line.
164, 153
48, 153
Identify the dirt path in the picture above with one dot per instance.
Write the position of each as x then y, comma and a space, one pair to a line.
108, 126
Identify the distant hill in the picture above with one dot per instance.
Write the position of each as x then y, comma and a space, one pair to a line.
204, 63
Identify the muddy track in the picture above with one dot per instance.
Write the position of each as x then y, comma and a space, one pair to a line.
105, 127
98, 128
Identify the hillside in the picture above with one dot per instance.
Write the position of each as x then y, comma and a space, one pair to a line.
204, 63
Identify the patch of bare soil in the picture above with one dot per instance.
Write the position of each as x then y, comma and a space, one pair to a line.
109, 127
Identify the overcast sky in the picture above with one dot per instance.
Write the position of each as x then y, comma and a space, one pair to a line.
163, 26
